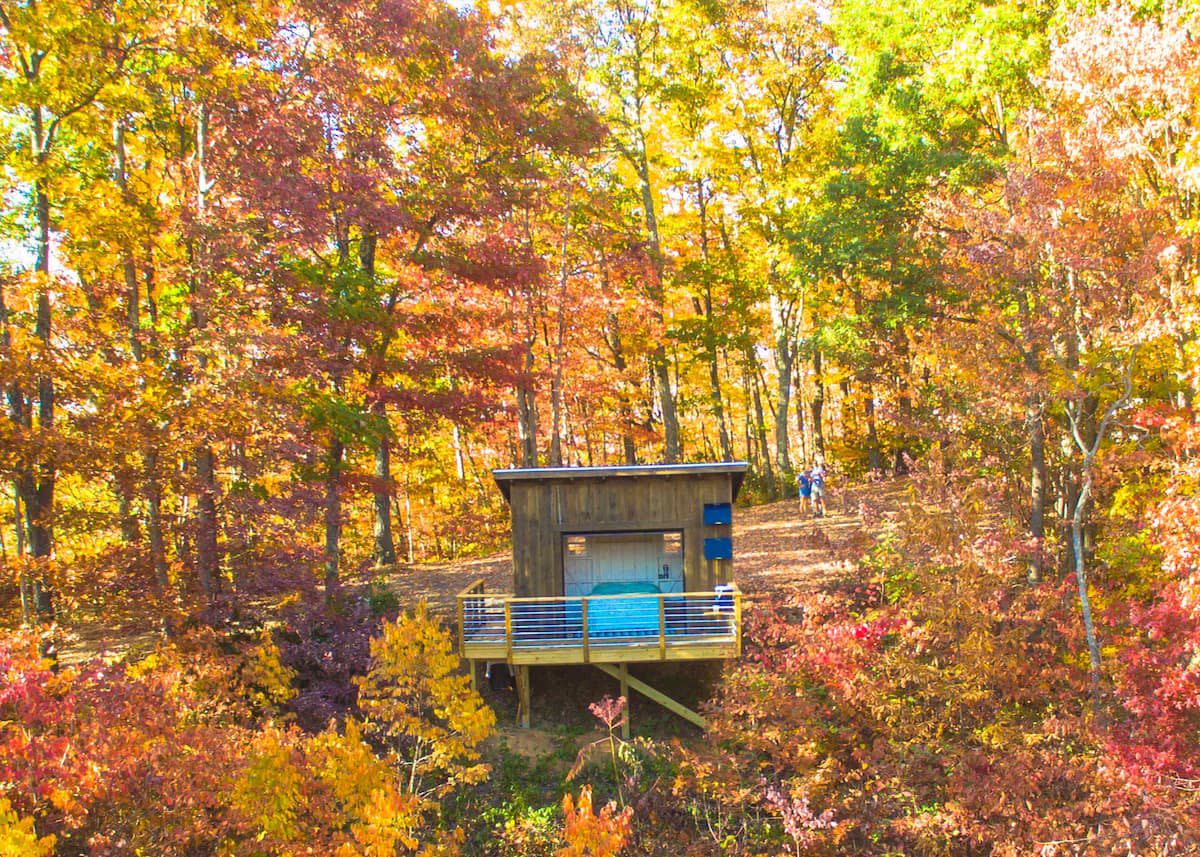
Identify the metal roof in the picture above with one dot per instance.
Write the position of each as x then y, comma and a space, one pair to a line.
737, 469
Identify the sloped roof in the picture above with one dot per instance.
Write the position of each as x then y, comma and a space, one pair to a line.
505, 477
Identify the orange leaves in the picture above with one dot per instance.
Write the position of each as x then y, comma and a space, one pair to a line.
591, 834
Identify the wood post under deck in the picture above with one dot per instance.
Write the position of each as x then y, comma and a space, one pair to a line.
523, 696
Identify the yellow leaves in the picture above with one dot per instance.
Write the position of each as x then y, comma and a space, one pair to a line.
269, 790
367, 793
18, 837
388, 819
268, 680
416, 698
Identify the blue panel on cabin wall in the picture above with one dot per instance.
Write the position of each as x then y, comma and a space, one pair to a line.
718, 548
718, 513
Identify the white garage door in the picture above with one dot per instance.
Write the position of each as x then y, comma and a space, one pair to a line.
592, 559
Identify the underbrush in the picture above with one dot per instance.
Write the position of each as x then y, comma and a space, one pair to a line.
931, 703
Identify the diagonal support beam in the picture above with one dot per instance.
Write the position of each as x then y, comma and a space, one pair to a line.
652, 694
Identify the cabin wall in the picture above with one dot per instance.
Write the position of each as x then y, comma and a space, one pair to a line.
543, 510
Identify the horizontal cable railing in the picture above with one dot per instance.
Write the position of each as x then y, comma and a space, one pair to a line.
666, 619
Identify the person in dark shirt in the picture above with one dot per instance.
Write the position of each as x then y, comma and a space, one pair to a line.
805, 489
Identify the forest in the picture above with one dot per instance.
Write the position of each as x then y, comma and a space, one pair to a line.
282, 281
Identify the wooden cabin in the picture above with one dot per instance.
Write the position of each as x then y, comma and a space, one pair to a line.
612, 565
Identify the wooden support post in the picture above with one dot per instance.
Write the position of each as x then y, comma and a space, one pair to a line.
523, 697
624, 676
462, 632
662, 627
508, 641
471, 665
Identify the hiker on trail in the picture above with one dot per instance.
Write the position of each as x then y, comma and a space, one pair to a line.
817, 479
805, 488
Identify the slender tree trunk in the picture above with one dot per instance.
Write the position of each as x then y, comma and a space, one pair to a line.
527, 415
818, 405
409, 544
154, 528
556, 381
802, 416
38, 479
385, 547
760, 424
1035, 425
460, 465
333, 518
1085, 601
556, 417
207, 552
784, 356
612, 336
849, 416
658, 357
130, 531
25, 581
208, 557
904, 397
874, 452
710, 330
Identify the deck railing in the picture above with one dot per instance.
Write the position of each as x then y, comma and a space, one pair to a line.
599, 628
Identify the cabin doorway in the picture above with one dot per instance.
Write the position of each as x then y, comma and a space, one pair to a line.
622, 563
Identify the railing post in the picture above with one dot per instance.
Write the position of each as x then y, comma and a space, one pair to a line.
508, 635
462, 628
662, 627
737, 620
587, 657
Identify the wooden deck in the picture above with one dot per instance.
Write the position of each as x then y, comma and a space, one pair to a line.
599, 629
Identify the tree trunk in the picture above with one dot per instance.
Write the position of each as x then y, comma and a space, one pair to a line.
130, 531
25, 581
904, 398
333, 518
1035, 425
784, 357
154, 528
874, 452
1085, 602
208, 557
527, 416
760, 424
802, 416
208, 563
818, 405
612, 336
658, 357
38, 479
385, 546
710, 331
714, 380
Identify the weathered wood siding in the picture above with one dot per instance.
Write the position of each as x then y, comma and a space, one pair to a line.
543, 510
